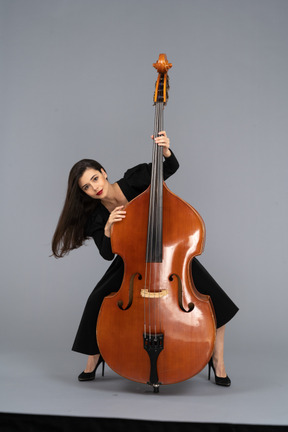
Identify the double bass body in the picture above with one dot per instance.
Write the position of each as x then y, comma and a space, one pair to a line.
188, 336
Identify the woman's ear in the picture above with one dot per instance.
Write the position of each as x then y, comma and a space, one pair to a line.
104, 173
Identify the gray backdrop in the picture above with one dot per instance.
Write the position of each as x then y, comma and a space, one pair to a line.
77, 81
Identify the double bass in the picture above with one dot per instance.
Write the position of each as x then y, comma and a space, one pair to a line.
157, 329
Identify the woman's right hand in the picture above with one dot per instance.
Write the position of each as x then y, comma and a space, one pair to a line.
117, 215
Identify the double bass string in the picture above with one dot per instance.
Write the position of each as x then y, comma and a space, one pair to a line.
147, 284
154, 231
148, 248
159, 216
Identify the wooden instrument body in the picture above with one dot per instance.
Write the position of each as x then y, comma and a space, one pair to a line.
188, 336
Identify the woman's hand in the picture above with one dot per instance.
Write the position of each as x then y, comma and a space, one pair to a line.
163, 141
115, 216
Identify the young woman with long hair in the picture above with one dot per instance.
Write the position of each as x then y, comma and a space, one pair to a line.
91, 207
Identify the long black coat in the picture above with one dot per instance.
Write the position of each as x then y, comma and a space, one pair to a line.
134, 182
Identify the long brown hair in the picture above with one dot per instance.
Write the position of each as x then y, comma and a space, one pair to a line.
69, 233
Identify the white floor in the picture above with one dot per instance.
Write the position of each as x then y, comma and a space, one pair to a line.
46, 383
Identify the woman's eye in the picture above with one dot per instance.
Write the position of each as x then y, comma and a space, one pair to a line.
95, 178
85, 188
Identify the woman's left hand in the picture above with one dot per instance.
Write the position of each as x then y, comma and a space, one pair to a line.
163, 141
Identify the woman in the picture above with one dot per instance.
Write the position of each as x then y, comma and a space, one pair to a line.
92, 206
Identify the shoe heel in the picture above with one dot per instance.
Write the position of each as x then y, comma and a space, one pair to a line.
100, 360
209, 370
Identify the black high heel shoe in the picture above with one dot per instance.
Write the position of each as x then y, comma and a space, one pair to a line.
89, 376
226, 382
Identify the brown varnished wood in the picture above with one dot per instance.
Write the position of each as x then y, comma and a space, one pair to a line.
189, 335
162, 66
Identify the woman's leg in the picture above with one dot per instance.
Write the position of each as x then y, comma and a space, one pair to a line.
85, 341
224, 308
91, 363
218, 353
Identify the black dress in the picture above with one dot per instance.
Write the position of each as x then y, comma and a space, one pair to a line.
134, 182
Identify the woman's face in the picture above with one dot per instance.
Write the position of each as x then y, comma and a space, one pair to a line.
94, 183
